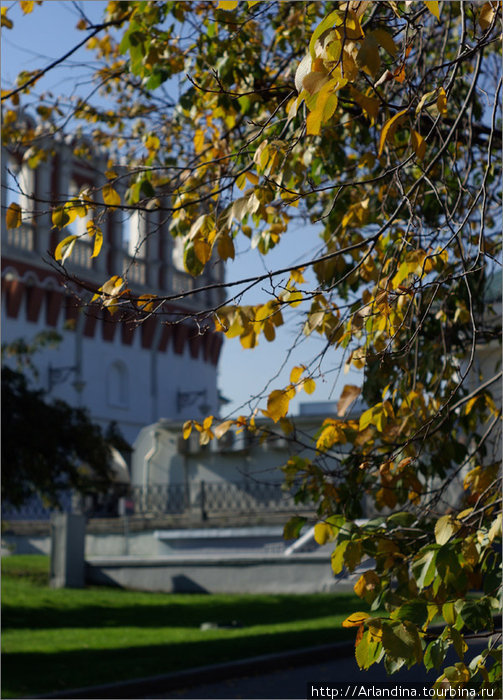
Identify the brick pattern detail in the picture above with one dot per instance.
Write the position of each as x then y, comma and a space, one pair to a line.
92, 316
35, 300
166, 334
108, 326
180, 335
148, 328
13, 297
54, 303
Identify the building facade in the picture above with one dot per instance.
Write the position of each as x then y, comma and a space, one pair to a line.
123, 370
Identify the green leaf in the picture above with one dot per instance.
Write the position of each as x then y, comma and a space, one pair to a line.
476, 614
402, 641
337, 559
458, 642
415, 611
326, 23
60, 217
435, 653
293, 527
424, 569
401, 519
449, 613
368, 652
447, 562
445, 528
353, 555
323, 533
190, 260
395, 641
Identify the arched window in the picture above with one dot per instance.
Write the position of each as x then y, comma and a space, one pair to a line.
118, 385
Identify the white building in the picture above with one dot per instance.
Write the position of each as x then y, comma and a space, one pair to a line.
121, 370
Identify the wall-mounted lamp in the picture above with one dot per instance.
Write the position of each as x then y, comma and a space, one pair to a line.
189, 398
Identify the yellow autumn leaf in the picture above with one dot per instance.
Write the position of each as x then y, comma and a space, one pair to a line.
6, 22
356, 619
225, 248
487, 14
223, 428
110, 196
293, 298
252, 178
368, 58
349, 394
202, 249
27, 6
368, 582
322, 533
309, 386
433, 7
388, 130
385, 40
442, 102
369, 105
418, 144
145, 302
94, 231
187, 429
296, 374
277, 404
445, 528
13, 216
227, 5
64, 248
198, 140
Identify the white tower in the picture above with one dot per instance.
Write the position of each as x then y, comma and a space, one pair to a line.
121, 370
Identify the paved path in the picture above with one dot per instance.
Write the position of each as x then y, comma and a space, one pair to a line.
293, 682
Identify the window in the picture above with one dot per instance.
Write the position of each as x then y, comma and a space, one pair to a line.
178, 254
19, 186
118, 385
136, 242
79, 226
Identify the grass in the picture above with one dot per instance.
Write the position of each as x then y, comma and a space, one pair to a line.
68, 638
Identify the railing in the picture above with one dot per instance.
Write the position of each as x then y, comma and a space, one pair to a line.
21, 238
210, 498
201, 499
34, 509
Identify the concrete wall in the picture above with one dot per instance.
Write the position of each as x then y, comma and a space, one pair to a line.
151, 379
135, 543
250, 573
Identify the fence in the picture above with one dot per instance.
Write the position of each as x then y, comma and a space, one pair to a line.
210, 498
201, 498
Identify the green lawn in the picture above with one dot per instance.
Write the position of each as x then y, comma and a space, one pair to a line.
58, 639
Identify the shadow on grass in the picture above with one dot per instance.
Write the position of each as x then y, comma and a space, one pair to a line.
85, 667
190, 612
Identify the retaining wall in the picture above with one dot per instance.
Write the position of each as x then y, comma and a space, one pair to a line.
219, 573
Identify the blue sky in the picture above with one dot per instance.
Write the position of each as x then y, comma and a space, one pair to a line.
48, 33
